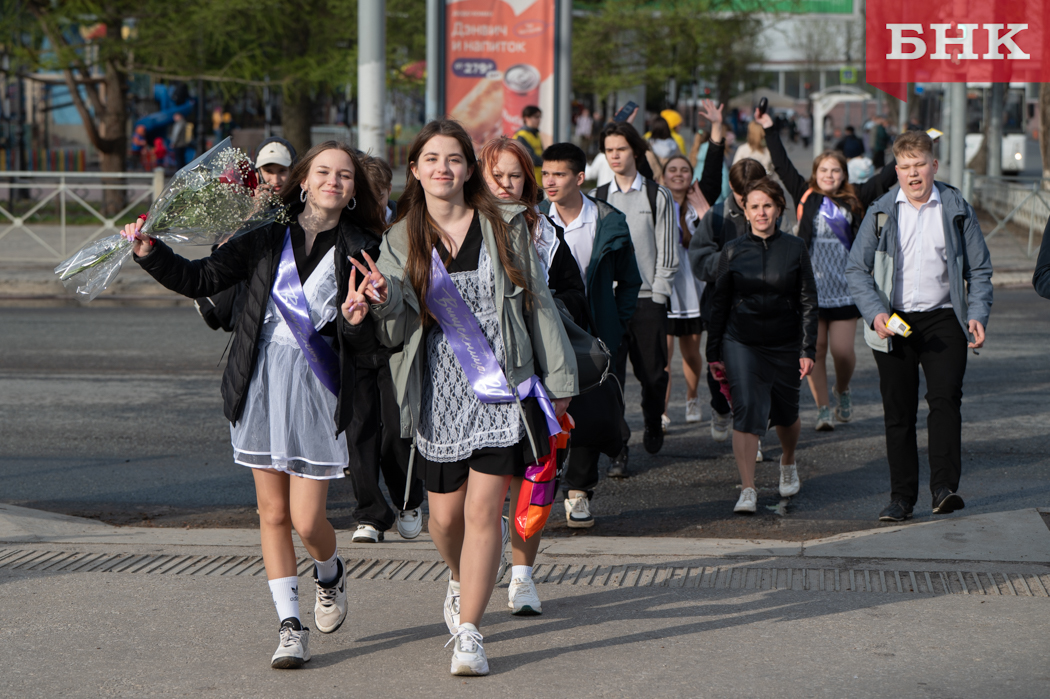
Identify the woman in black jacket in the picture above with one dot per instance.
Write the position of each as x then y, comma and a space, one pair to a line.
762, 335
831, 212
289, 380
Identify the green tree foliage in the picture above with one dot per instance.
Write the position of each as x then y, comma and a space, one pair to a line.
619, 44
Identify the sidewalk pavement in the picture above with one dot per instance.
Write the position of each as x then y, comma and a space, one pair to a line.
958, 607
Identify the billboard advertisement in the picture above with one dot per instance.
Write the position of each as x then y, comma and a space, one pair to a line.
1003, 41
499, 59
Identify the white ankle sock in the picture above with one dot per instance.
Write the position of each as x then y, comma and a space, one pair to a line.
454, 584
521, 572
327, 570
285, 593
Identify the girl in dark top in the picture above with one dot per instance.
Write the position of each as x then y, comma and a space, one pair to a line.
831, 212
762, 335
287, 406
508, 173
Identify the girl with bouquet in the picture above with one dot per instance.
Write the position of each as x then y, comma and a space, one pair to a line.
288, 387
486, 365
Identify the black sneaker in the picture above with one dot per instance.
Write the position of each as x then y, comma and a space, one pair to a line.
945, 501
653, 440
896, 511
618, 468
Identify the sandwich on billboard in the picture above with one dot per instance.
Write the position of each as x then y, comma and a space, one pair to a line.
499, 59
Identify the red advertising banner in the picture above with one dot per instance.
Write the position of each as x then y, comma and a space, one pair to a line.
499, 59
956, 41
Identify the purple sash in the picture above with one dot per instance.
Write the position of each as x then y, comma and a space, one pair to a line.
836, 219
290, 300
471, 348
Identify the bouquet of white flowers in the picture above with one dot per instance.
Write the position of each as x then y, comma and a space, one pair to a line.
212, 199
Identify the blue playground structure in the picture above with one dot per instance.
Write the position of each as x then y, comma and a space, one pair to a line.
157, 123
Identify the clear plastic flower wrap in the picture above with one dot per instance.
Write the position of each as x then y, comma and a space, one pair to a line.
212, 199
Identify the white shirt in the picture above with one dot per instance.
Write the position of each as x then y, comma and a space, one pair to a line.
920, 275
599, 171
636, 186
579, 235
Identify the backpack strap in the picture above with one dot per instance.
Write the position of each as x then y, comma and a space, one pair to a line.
801, 202
602, 192
652, 190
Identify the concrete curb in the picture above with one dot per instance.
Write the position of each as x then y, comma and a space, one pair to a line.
1020, 536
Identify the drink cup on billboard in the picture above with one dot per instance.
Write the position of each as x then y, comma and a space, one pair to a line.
521, 87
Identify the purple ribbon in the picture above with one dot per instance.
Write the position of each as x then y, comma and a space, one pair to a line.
472, 349
290, 300
836, 219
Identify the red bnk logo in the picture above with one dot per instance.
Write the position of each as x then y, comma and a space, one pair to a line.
956, 41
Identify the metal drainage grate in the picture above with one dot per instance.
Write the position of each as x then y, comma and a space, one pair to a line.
703, 577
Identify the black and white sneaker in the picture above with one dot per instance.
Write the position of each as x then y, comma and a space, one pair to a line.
293, 650
945, 501
366, 534
330, 602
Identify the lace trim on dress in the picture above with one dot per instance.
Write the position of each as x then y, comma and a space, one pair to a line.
453, 422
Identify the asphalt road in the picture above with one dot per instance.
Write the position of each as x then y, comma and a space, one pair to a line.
115, 413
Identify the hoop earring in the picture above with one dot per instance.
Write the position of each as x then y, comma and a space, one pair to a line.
353, 200
302, 195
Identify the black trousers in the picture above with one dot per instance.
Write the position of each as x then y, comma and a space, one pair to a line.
375, 444
938, 345
645, 342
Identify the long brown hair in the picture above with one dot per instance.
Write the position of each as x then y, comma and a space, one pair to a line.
846, 196
530, 195
366, 213
423, 232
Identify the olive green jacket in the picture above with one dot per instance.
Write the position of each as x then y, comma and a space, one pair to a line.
535, 339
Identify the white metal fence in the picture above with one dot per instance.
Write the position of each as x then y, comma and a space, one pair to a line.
1022, 201
24, 240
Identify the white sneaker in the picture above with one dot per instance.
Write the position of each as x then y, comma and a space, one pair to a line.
451, 609
523, 600
720, 425
504, 524
692, 410
758, 456
410, 523
330, 601
293, 650
789, 482
665, 422
367, 534
748, 502
468, 653
578, 512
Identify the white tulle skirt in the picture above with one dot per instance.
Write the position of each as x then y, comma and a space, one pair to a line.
288, 422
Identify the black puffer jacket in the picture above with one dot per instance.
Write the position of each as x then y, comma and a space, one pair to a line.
253, 258
764, 296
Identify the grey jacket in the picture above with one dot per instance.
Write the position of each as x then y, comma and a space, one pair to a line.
870, 269
535, 341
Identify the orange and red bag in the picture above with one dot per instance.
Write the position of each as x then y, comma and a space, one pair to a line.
537, 490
